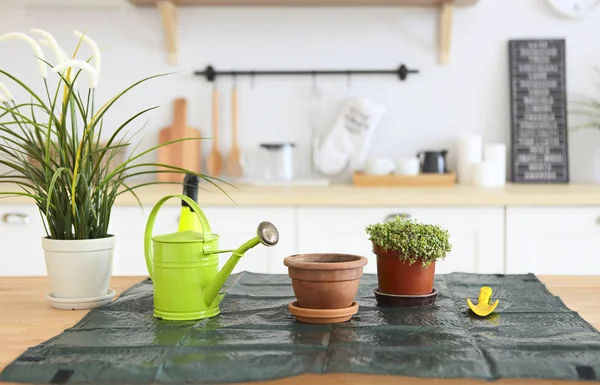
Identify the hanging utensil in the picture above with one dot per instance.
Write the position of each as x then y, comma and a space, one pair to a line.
214, 163
234, 167
185, 154
188, 152
164, 156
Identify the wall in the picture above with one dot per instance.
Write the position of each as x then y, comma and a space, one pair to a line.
429, 110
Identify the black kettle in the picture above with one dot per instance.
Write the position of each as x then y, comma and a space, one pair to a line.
433, 162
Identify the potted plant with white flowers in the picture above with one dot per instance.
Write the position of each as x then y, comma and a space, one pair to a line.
51, 145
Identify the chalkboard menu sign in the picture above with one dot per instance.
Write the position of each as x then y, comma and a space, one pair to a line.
538, 111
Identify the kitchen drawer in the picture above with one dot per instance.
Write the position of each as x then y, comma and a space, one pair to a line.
235, 225
553, 240
21, 233
476, 234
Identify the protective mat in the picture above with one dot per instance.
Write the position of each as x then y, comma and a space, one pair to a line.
531, 335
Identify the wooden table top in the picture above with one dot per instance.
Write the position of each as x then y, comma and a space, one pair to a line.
26, 319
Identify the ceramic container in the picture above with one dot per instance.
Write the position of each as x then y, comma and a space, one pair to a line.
325, 281
397, 277
79, 268
408, 166
433, 162
379, 166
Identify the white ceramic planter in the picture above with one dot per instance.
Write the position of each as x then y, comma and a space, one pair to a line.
80, 268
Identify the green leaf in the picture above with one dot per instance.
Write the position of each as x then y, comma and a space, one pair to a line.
51, 188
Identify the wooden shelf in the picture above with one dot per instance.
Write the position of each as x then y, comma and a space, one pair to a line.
169, 15
306, 3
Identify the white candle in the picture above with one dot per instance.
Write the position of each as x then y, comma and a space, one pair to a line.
485, 174
469, 154
495, 154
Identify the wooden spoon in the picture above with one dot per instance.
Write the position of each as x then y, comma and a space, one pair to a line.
234, 168
164, 156
214, 163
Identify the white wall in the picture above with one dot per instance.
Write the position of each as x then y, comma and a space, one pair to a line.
427, 111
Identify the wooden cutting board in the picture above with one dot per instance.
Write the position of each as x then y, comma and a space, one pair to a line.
186, 154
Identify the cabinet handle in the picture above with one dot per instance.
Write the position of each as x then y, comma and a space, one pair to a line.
391, 217
598, 221
16, 219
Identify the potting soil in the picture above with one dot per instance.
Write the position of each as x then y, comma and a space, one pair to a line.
532, 334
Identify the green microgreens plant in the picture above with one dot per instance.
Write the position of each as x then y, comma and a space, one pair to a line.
412, 240
52, 145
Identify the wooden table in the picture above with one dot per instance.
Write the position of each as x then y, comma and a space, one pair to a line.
26, 319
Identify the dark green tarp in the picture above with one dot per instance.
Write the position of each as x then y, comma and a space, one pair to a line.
532, 334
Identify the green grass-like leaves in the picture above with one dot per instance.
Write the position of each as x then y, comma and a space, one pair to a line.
411, 239
52, 145
587, 108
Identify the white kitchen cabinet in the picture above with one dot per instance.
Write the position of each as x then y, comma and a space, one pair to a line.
21, 232
553, 240
235, 225
476, 234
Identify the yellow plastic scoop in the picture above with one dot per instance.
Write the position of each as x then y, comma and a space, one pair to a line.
483, 307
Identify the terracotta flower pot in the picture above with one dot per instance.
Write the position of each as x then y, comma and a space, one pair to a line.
325, 281
398, 277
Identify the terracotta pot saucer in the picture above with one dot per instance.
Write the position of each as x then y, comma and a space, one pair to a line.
384, 299
322, 316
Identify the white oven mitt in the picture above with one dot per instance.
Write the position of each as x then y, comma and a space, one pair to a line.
335, 153
348, 140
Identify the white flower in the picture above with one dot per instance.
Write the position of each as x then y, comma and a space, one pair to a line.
50, 41
80, 64
94, 47
61, 56
5, 93
36, 48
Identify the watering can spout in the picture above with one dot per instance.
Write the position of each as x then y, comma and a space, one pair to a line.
266, 234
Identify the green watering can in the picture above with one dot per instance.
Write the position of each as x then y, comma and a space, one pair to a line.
184, 266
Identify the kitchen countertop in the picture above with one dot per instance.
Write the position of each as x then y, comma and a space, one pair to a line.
348, 195
27, 319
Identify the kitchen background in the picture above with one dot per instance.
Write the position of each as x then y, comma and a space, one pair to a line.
427, 111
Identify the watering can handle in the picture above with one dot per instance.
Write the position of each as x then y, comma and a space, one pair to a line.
150, 226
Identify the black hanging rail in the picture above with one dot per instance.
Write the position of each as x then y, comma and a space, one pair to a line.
210, 73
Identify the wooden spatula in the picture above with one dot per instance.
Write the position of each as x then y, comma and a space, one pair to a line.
164, 155
214, 163
234, 168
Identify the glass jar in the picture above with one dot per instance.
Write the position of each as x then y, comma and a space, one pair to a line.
278, 161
